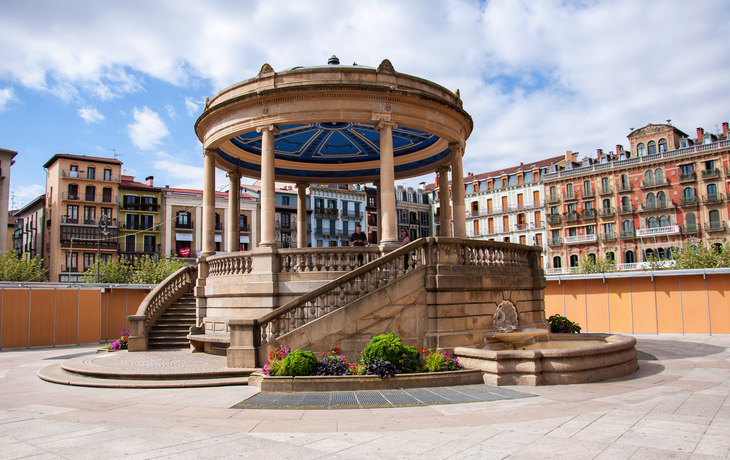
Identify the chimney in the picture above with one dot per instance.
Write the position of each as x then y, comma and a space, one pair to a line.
437, 180
724, 129
422, 185
700, 135
568, 156
599, 153
148, 180
619, 148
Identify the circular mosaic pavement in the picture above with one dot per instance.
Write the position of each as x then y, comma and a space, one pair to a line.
155, 362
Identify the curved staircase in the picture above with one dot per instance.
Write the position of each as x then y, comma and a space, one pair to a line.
171, 328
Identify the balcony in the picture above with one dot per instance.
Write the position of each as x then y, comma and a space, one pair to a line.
140, 248
687, 177
657, 231
624, 187
101, 177
146, 207
626, 209
328, 232
572, 196
627, 235
588, 214
184, 225
654, 205
326, 212
581, 239
690, 228
717, 198
553, 198
65, 219
132, 225
608, 237
245, 228
715, 226
554, 218
710, 174
571, 216
219, 226
606, 212
605, 190
653, 183
557, 241
689, 201
88, 197
589, 192
353, 214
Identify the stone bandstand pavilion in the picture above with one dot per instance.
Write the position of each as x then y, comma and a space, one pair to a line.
340, 124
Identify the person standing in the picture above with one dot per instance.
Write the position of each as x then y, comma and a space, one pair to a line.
358, 239
403, 240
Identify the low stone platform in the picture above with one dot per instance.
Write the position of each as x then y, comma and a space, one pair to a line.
152, 369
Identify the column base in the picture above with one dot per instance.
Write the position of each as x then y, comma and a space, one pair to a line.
388, 245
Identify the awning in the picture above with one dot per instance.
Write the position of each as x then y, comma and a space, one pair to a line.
183, 237
244, 239
219, 238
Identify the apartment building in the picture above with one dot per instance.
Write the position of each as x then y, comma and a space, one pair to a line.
413, 208
6, 161
371, 214
139, 218
81, 214
504, 205
631, 205
181, 228
337, 210
28, 229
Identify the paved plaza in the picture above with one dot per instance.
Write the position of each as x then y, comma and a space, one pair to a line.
676, 406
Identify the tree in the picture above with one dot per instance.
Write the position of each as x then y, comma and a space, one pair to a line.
144, 270
13, 268
603, 265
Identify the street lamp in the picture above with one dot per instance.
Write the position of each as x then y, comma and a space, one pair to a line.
103, 230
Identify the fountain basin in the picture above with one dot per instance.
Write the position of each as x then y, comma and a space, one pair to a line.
519, 336
555, 359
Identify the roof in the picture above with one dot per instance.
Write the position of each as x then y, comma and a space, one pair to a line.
655, 129
2, 150
131, 184
31, 204
200, 192
507, 171
68, 156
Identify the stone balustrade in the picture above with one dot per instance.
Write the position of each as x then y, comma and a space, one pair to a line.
235, 263
325, 259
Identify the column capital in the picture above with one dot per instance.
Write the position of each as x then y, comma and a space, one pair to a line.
233, 175
302, 185
457, 146
274, 128
209, 152
444, 169
385, 124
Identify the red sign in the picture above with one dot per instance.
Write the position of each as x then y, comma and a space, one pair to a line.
185, 252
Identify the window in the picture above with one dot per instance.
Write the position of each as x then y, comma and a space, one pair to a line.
651, 149
629, 257
659, 176
569, 190
628, 225
664, 221
611, 256
688, 193
641, 149
590, 230
405, 196
108, 175
148, 222
588, 205
650, 202
106, 195
652, 222
285, 220
712, 192
91, 172
132, 222
608, 229
625, 203
624, 182
107, 212
73, 192
183, 219
90, 193
572, 231
571, 208
587, 189
715, 216
285, 200
662, 145
557, 263
149, 243
72, 214
72, 262
89, 260
649, 177
345, 228
243, 222
691, 222
661, 199
89, 215
574, 260
607, 203
686, 170
553, 193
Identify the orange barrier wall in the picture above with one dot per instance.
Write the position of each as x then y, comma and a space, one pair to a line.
41, 316
677, 304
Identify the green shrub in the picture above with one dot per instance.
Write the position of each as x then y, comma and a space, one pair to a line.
438, 361
299, 362
144, 270
562, 325
388, 347
21, 269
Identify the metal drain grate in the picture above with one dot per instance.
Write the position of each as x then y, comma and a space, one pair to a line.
379, 399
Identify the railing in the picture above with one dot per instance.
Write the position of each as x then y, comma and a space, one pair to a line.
690, 228
553, 198
347, 213
326, 259
605, 212
234, 263
589, 192
626, 209
503, 209
715, 226
611, 236
570, 216
185, 225
578, 239
668, 230
605, 190
141, 248
103, 177
65, 219
326, 211
161, 297
687, 177
555, 241
653, 205
648, 183
713, 199
381, 272
689, 201
710, 173
554, 218
627, 234
569, 196
588, 214
138, 225
623, 187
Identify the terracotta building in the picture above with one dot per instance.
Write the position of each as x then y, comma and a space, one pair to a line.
634, 205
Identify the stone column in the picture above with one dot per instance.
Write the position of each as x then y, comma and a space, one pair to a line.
445, 225
388, 219
302, 214
268, 197
379, 215
208, 204
457, 191
233, 229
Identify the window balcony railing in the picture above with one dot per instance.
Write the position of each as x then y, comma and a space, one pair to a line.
689, 201
710, 174
588, 214
102, 177
353, 214
219, 226
690, 228
581, 239
653, 205
571, 196
184, 225
140, 248
657, 231
624, 186
606, 212
626, 209
326, 211
553, 198
554, 218
556, 241
589, 192
244, 228
687, 177
65, 219
132, 225
605, 190
713, 199
571, 216
649, 183
718, 226
628, 234
610, 236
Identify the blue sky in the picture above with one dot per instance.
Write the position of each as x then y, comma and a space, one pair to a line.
538, 77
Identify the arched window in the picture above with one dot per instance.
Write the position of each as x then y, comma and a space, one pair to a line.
688, 194
625, 203
624, 181
664, 221
717, 247
650, 202
641, 149
628, 225
629, 257
649, 177
652, 222
715, 216
661, 199
712, 192
90, 193
574, 260
557, 262
662, 145
607, 203
569, 190
648, 255
651, 149
592, 257
659, 176
611, 256
661, 253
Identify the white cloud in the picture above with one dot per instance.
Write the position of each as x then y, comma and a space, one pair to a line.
6, 95
147, 131
192, 105
170, 111
24, 194
183, 171
90, 114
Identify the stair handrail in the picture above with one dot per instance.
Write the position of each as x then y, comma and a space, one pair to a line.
164, 294
325, 299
